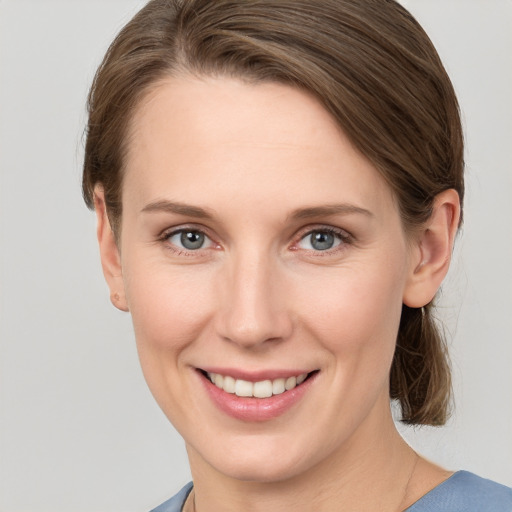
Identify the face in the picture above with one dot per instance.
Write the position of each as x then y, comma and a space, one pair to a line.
257, 247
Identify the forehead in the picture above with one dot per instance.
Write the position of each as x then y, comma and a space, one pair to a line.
220, 110
199, 136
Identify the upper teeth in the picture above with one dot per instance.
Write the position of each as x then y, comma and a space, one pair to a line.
260, 389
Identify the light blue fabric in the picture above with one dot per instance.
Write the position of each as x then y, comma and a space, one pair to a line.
462, 492
175, 504
465, 492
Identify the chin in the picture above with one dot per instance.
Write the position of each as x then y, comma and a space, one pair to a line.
259, 459
265, 458
259, 470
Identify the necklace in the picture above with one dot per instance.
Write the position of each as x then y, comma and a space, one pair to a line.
406, 489
190, 502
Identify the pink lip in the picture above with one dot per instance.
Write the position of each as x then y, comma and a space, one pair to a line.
255, 409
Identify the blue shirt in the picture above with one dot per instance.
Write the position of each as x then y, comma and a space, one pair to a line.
462, 492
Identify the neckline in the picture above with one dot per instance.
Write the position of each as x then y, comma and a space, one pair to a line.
434, 490
187, 489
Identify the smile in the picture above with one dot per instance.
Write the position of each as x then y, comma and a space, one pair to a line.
260, 389
256, 398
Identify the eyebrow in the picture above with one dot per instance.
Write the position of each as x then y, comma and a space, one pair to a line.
301, 213
327, 210
178, 208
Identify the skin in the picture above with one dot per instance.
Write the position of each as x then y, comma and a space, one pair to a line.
258, 296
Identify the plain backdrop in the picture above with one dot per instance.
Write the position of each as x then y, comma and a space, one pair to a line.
79, 431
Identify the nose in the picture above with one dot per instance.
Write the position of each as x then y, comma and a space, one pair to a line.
253, 306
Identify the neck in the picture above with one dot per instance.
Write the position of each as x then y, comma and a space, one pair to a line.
371, 471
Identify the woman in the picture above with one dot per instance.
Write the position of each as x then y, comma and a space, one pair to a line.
278, 187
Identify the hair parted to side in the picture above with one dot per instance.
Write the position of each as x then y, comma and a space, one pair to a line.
367, 61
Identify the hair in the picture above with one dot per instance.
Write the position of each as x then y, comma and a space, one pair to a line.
368, 62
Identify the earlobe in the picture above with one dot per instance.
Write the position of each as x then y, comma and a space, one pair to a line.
432, 251
109, 252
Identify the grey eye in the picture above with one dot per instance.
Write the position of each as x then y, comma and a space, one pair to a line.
320, 241
190, 240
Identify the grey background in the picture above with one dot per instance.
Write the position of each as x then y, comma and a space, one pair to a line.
79, 430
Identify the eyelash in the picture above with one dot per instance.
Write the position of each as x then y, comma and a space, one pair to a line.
167, 235
343, 236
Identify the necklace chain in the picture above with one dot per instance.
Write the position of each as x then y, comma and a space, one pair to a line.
190, 503
406, 489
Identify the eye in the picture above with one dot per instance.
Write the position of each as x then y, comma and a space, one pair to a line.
189, 239
321, 240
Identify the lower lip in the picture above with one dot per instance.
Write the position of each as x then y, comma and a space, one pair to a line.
256, 409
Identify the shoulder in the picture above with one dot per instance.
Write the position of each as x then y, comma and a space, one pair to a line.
466, 492
175, 504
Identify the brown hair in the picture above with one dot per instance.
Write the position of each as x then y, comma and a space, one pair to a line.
367, 61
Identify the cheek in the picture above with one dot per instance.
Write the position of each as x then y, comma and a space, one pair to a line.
169, 305
355, 314
169, 308
359, 297
356, 320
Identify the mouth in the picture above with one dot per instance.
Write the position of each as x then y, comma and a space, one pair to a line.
264, 388
256, 396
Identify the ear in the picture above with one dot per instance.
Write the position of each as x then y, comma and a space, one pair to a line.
109, 252
432, 250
